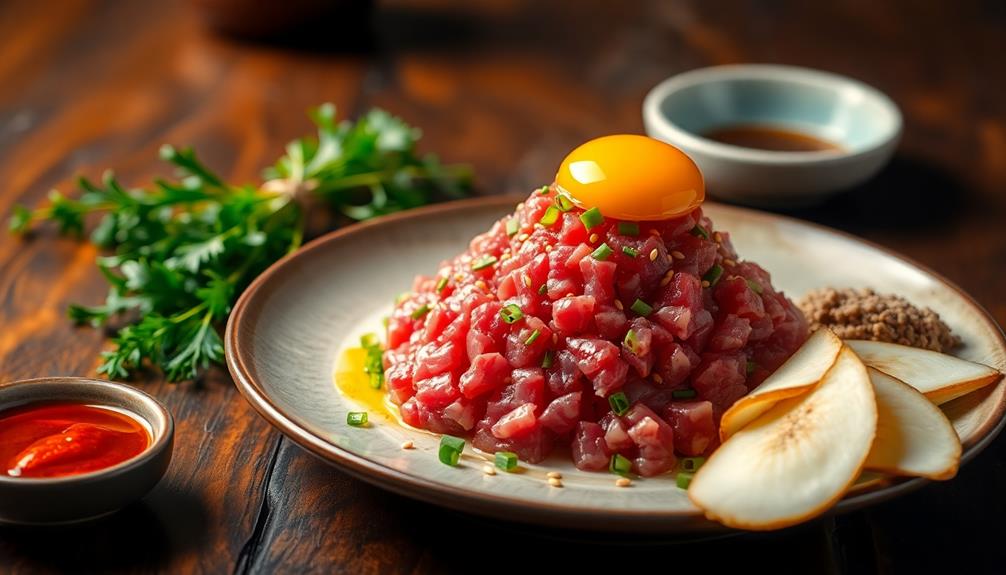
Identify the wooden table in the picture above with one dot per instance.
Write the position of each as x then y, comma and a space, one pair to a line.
509, 87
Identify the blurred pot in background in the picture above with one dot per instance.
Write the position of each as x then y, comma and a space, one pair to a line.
311, 22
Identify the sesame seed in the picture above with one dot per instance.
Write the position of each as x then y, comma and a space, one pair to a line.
480, 284
554, 482
407, 445
523, 237
504, 257
657, 378
667, 278
569, 294
520, 206
653, 254
459, 276
622, 482
539, 226
718, 237
553, 475
729, 262
527, 280
593, 238
678, 255
705, 283
488, 469
548, 248
619, 305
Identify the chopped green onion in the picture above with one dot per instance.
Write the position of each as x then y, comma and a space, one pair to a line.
687, 393
628, 228
420, 311
592, 218
373, 364
543, 289
512, 226
441, 284
483, 262
619, 403
684, 479
641, 307
551, 216
601, 253
402, 297
755, 286
692, 464
511, 313
631, 341
506, 460
450, 449
543, 190
620, 465
532, 338
546, 362
385, 321
563, 203
714, 274
631, 252
751, 367
701, 232
356, 418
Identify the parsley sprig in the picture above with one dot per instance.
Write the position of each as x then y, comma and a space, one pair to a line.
183, 249
368, 168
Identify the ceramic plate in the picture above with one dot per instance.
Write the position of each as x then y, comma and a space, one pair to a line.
289, 327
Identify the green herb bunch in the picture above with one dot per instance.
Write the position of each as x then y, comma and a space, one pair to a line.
182, 250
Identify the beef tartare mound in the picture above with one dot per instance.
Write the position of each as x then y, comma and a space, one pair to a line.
559, 326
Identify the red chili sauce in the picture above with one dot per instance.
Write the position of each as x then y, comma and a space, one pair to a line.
60, 439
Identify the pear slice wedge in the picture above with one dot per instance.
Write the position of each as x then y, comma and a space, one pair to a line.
868, 481
801, 372
914, 437
795, 460
939, 376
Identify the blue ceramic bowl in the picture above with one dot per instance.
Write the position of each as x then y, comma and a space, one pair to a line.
864, 123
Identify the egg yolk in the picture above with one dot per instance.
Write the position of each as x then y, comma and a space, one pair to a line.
631, 177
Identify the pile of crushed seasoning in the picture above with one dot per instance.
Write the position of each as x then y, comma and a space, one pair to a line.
865, 314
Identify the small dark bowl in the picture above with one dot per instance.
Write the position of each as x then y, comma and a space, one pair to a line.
91, 495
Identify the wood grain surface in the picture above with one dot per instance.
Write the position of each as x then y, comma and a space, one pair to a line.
508, 86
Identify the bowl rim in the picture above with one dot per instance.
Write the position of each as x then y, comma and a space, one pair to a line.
161, 436
660, 126
544, 513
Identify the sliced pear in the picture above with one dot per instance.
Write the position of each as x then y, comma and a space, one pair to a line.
914, 438
795, 460
798, 375
939, 376
867, 481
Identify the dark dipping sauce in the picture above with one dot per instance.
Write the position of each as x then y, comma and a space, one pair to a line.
61, 439
770, 138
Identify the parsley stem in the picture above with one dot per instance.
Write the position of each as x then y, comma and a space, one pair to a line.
376, 177
193, 311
